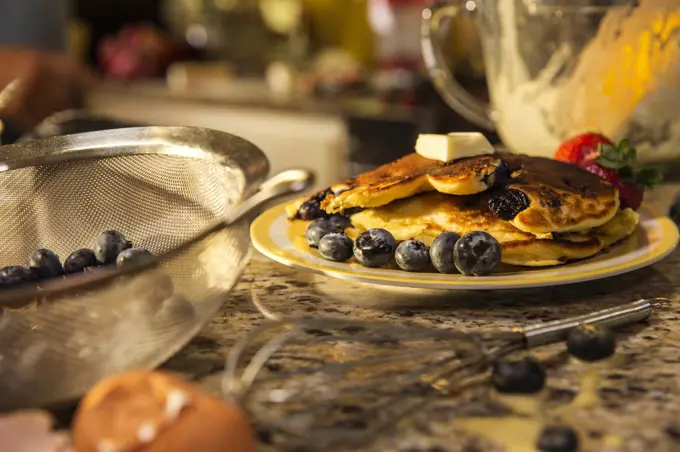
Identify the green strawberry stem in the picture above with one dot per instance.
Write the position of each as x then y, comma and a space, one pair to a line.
622, 158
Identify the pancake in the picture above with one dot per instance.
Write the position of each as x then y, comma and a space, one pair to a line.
403, 178
536, 195
545, 196
425, 216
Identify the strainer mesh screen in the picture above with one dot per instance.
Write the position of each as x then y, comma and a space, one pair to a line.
155, 200
64, 346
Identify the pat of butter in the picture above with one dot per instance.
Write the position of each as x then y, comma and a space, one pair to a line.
453, 146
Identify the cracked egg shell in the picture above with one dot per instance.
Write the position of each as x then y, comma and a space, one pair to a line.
146, 411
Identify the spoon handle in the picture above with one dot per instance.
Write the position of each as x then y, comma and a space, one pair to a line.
547, 333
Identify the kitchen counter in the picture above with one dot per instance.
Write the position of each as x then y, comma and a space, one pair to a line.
628, 403
254, 93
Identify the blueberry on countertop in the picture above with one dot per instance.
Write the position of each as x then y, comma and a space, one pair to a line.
523, 376
15, 275
79, 261
374, 248
336, 247
557, 438
441, 252
45, 264
412, 256
108, 246
591, 343
133, 256
477, 254
320, 227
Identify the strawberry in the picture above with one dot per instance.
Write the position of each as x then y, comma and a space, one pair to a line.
582, 148
605, 173
617, 165
630, 194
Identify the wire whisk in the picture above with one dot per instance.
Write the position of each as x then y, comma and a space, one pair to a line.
333, 382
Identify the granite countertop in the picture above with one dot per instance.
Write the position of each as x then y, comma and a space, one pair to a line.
632, 404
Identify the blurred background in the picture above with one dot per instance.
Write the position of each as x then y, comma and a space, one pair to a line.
340, 85
337, 85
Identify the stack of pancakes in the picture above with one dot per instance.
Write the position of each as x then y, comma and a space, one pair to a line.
542, 211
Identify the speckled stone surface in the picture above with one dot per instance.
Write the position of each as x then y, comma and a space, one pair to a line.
639, 391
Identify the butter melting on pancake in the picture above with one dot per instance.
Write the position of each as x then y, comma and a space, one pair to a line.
546, 196
411, 175
425, 216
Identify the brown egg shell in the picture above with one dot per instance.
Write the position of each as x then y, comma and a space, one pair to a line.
130, 412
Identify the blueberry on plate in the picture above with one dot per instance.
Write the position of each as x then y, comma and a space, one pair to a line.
45, 264
522, 376
132, 256
591, 343
557, 438
108, 246
336, 247
79, 261
15, 275
477, 254
341, 221
441, 252
319, 228
374, 248
675, 211
412, 256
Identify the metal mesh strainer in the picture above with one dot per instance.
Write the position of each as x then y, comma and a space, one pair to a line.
160, 187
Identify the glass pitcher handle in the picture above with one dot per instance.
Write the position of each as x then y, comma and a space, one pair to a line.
461, 101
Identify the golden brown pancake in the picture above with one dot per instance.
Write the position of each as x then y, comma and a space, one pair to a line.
411, 175
540, 195
425, 216
545, 196
400, 179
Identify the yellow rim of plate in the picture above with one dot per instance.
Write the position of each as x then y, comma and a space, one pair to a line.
263, 242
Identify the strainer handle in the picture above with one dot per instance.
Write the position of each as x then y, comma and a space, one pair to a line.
284, 183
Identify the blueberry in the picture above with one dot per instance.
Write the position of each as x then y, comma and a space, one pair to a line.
15, 275
557, 438
412, 256
477, 254
108, 246
45, 264
441, 252
133, 256
311, 209
591, 343
675, 211
374, 248
340, 221
79, 261
318, 228
508, 203
336, 247
524, 376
